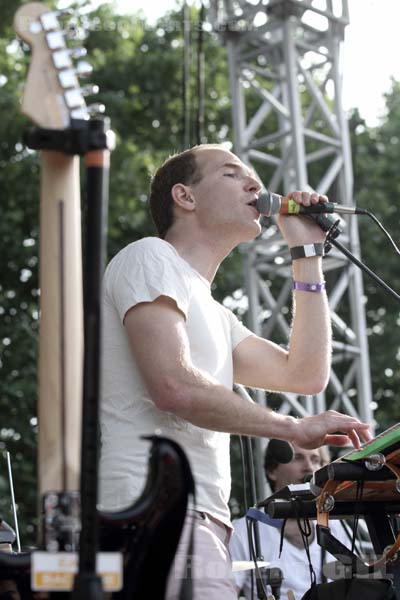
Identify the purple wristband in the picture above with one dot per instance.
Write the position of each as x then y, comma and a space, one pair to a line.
309, 287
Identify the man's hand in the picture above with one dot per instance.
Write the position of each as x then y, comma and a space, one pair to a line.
330, 428
299, 230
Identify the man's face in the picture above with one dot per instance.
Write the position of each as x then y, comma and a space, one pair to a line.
305, 462
226, 194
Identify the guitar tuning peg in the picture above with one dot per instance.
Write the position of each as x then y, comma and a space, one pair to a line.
55, 40
68, 79
80, 113
83, 68
90, 89
49, 21
74, 99
62, 58
96, 109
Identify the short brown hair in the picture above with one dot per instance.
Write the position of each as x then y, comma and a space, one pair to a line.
179, 168
272, 455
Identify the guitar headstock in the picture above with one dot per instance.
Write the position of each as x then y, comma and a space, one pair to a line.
52, 94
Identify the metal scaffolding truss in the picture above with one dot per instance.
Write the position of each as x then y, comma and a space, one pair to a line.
289, 124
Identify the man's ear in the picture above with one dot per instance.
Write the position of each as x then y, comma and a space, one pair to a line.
271, 474
183, 196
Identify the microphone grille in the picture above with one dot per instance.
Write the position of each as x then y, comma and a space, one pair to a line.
278, 451
268, 204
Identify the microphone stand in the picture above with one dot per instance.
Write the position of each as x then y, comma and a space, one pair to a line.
95, 140
254, 524
333, 231
253, 495
87, 584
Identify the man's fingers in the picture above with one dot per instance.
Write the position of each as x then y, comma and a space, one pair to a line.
366, 434
337, 439
345, 423
350, 435
334, 428
308, 198
354, 438
343, 439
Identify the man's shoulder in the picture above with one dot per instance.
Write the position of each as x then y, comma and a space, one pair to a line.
147, 244
139, 250
146, 269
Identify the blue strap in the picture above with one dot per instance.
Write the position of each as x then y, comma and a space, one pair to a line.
257, 515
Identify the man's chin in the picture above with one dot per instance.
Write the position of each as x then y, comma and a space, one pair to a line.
253, 232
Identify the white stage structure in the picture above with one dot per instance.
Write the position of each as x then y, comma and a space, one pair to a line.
289, 124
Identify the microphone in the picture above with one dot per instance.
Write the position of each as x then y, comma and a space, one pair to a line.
314, 488
279, 451
273, 577
270, 204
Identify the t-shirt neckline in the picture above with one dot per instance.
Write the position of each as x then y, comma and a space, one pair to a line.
195, 271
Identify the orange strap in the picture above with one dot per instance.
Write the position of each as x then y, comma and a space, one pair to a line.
329, 489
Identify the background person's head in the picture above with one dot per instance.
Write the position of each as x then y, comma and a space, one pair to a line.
303, 464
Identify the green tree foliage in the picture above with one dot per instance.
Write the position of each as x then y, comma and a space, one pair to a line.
18, 284
377, 185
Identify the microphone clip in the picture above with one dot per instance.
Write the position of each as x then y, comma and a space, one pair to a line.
331, 227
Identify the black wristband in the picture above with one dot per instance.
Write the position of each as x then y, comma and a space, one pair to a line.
307, 251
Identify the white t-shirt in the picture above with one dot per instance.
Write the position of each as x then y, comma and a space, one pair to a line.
293, 561
142, 272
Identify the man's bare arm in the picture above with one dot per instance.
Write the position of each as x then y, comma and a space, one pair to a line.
304, 368
160, 345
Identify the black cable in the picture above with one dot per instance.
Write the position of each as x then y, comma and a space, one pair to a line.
245, 500
250, 525
363, 211
186, 77
200, 78
250, 528
251, 550
306, 532
326, 225
348, 531
359, 494
243, 465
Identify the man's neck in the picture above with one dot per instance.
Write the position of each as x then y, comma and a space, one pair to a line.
204, 256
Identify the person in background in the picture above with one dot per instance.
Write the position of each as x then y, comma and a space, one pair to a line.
293, 561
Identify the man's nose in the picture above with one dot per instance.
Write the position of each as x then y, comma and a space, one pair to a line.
252, 185
309, 466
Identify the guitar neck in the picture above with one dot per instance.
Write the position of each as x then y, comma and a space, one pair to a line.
61, 325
